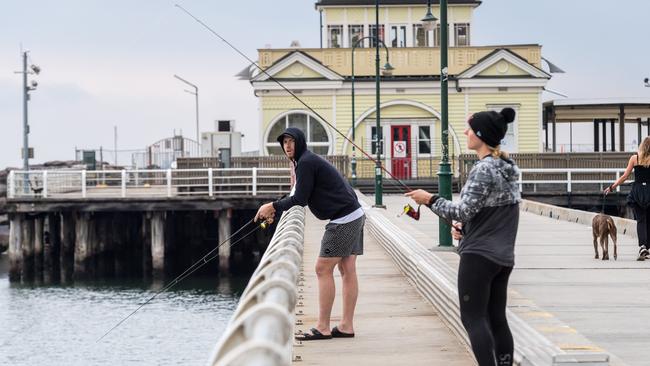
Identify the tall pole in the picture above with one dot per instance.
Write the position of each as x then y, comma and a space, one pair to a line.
196, 99
196, 96
25, 123
354, 150
115, 144
388, 68
378, 178
444, 174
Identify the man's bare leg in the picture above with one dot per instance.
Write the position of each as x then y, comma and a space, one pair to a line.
348, 269
326, 291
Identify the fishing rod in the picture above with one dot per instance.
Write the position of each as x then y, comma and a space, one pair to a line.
402, 184
405, 188
191, 269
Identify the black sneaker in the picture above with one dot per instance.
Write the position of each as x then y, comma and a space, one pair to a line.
643, 253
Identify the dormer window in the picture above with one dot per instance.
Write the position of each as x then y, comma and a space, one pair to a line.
334, 36
461, 34
373, 34
421, 38
355, 33
398, 36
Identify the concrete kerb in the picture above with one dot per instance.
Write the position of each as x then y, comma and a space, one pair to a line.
624, 226
436, 282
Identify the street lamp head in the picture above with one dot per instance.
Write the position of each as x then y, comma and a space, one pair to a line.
387, 70
34, 84
429, 20
36, 69
647, 82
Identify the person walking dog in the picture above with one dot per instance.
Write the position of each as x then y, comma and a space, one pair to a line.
639, 196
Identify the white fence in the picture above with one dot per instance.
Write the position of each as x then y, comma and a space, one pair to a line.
571, 177
85, 184
261, 330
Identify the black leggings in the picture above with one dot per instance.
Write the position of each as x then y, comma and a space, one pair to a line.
483, 292
641, 216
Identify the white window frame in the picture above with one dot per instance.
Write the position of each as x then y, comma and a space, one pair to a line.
329, 144
363, 34
341, 27
428, 36
513, 128
370, 27
417, 140
390, 30
456, 37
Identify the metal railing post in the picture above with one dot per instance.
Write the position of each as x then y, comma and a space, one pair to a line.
83, 183
45, 184
521, 181
568, 183
169, 182
254, 181
618, 175
210, 186
123, 183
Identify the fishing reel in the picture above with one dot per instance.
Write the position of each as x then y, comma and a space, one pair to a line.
411, 212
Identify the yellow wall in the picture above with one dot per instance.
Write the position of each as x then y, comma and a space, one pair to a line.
528, 118
528, 129
356, 16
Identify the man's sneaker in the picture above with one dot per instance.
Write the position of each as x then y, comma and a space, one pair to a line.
643, 253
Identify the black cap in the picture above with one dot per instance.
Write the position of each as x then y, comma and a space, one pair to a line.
491, 126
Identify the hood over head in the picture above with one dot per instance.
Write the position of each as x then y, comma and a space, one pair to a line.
299, 137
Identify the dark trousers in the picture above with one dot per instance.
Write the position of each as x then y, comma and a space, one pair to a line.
483, 292
642, 223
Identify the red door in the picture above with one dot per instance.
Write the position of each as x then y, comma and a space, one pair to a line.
401, 151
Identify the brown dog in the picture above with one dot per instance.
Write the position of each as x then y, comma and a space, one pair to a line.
603, 226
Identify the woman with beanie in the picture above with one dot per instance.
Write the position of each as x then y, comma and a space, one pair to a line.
639, 197
488, 211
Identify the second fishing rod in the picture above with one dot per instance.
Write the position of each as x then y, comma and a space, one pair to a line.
399, 183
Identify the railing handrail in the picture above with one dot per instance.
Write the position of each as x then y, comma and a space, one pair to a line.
89, 184
261, 329
570, 179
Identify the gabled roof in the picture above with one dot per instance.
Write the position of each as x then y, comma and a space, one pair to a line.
298, 61
391, 2
507, 59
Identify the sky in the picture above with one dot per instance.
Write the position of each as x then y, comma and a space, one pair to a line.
111, 63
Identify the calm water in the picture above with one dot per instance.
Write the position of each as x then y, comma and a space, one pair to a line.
59, 325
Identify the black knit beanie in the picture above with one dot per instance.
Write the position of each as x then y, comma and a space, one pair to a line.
491, 126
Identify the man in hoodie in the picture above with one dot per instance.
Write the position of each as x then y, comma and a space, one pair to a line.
329, 197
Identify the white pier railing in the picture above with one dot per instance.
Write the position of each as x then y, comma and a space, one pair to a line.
260, 333
89, 184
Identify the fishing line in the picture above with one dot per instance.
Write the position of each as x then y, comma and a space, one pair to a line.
193, 268
405, 188
378, 163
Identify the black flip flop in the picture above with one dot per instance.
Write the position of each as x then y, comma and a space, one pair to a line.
314, 336
336, 333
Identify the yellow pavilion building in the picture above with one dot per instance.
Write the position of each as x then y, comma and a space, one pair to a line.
481, 78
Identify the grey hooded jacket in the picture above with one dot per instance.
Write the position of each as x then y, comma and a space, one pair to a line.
488, 209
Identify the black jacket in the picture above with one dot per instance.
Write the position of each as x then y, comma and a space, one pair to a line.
318, 184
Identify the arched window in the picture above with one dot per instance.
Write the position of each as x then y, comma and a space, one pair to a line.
317, 137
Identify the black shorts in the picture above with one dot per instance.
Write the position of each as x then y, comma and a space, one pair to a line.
343, 240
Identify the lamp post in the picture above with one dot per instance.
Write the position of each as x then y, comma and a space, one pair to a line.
388, 69
196, 96
378, 177
33, 70
444, 173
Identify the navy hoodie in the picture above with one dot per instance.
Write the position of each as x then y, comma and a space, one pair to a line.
318, 184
